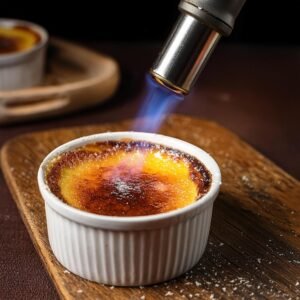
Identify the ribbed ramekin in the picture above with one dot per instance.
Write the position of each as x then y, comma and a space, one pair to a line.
25, 68
130, 251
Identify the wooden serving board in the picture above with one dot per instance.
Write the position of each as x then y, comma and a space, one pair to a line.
254, 246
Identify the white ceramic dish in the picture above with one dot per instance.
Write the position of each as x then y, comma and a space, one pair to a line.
130, 251
25, 68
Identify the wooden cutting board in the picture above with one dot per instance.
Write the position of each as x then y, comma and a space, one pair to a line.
254, 246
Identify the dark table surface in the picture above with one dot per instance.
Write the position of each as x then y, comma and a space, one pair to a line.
252, 90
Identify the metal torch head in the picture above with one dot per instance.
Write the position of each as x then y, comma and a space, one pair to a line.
192, 40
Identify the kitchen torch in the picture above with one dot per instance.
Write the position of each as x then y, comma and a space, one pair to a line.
192, 41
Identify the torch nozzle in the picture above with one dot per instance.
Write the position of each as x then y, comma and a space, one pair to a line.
192, 41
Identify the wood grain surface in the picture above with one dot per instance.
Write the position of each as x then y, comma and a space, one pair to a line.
254, 246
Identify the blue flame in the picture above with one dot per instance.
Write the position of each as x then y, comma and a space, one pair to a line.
159, 102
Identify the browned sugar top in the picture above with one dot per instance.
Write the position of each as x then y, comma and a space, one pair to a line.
127, 178
17, 38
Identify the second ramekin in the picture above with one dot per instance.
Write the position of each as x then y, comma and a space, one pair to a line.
25, 68
130, 251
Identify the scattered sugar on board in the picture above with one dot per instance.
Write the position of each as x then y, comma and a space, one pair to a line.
296, 261
214, 276
213, 272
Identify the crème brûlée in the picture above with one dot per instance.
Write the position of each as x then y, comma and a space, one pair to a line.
127, 178
17, 39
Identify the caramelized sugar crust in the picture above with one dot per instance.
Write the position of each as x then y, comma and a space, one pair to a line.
17, 38
127, 178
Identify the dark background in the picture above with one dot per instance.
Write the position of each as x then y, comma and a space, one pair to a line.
260, 22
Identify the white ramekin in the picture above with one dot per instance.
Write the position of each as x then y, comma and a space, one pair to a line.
130, 251
25, 68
